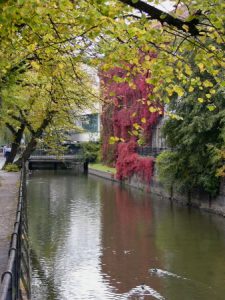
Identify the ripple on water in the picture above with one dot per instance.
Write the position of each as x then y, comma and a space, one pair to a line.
140, 292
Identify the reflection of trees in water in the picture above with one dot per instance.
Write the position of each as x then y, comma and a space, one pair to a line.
127, 238
49, 221
46, 280
134, 238
50, 199
192, 246
48, 213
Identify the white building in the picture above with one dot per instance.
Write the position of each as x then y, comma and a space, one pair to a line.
90, 125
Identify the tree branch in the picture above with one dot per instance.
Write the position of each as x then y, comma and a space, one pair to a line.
11, 128
163, 17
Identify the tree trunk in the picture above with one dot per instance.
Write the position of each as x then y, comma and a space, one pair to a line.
189, 198
27, 152
15, 145
33, 142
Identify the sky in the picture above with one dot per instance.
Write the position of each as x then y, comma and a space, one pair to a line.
166, 6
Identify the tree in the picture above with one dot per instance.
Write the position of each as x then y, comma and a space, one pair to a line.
41, 100
195, 27
196, 140
176, 50
46, 35
120, 29
42, 80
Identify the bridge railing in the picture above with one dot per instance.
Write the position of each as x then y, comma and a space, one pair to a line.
15, 281
48, 152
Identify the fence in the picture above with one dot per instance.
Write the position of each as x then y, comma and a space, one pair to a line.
150, 151
15, 281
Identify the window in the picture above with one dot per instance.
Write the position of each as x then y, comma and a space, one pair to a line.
89, 122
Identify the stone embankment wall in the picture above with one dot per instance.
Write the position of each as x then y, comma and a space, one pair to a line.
106, 175
195, 199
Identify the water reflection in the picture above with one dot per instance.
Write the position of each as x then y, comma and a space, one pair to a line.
128, 238
192, 246
92, 239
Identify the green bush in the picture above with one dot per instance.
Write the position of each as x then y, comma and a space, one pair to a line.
11, 168
166, 164
91, 151
185, 171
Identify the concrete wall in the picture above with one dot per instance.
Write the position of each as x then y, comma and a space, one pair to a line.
195, 198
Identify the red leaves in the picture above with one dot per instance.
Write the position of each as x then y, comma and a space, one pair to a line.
128, 111
130, 163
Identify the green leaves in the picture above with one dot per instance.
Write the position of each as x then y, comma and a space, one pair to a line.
53, 39
44, 46
194, 163
178, 90
211, 107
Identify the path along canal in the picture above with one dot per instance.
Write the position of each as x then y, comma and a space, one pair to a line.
92, 239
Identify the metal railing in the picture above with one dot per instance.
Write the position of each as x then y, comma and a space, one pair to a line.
68, 154
150, 151
48, 152
15, 281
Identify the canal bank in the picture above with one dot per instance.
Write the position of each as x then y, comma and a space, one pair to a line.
9, 187
195, 199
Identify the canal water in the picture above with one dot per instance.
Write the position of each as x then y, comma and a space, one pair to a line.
92, 239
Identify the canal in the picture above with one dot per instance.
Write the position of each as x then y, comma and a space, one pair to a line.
92, 239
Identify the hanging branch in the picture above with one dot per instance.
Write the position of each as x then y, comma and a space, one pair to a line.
163, 17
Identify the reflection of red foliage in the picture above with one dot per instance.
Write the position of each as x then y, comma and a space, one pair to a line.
128, 234
132, 208
128, 105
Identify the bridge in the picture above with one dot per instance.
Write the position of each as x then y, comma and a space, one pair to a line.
42, 160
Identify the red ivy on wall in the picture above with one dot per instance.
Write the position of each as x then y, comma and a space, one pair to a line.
127, 104
130, 163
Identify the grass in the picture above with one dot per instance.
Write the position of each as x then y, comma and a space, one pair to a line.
102, 167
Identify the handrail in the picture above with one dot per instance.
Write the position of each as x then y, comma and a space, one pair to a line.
150, 151
15, 281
